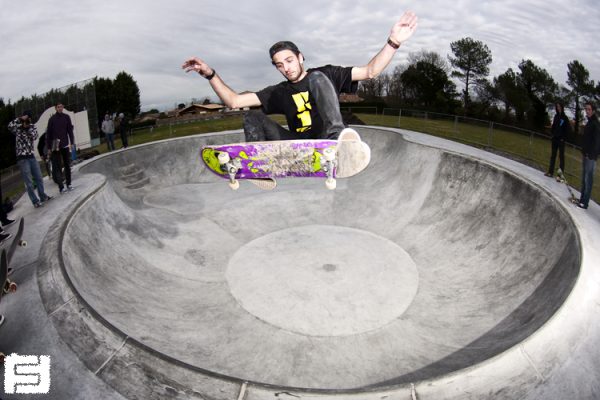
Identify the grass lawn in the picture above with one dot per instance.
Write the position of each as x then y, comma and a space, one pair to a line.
531, 149
528, 148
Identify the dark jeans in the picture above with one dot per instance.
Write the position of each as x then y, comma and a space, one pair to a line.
61, 159
557, 146
259, 127
110, 141
31, 173
587, 180
124, 138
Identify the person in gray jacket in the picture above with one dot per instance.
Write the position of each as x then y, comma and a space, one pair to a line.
108, 127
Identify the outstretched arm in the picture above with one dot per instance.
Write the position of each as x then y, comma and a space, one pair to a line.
225, 93
401, 32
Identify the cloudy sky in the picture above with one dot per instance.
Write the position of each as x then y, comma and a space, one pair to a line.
48, 45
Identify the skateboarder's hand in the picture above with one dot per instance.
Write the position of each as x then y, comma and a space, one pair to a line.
404, 28
197, 65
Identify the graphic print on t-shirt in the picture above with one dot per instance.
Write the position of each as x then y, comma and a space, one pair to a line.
303, 106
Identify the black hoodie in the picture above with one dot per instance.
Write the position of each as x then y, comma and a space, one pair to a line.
591, 138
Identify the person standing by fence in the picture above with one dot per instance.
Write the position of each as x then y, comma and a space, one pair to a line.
590, 150
108, 127
561, 127
59, 139
124, 129
26, 134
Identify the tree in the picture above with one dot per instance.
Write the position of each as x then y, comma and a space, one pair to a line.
374, 88
105, 98
578, 79
127, 94
431, 57
426, 85
395, 93
541, 91
471, 62
508, 90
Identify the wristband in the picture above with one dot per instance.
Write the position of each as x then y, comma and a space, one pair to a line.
393, 44
209, 77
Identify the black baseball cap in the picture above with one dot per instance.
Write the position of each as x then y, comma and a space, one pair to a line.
283, 45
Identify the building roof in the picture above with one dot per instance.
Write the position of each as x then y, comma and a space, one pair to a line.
201, 107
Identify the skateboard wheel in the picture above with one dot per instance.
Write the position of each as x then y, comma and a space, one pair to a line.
12, 287
329, 154
330, 183
23, 243
235, 185
223, 158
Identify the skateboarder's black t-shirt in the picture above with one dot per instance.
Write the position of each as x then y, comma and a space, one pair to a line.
294, 100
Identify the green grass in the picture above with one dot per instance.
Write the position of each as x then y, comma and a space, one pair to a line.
530, 149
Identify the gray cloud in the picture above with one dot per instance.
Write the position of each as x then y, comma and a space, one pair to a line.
46, 45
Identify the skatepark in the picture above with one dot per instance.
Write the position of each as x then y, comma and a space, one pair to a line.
440, 272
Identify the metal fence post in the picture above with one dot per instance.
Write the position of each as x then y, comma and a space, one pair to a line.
490, 133
456, 125
399, 115
529, 149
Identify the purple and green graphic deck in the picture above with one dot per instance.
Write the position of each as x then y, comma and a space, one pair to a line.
276, 159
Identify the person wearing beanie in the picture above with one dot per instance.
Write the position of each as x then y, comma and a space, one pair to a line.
123, 129
309, 98
26, 133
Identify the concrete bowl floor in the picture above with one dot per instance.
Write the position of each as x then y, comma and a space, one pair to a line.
425, 264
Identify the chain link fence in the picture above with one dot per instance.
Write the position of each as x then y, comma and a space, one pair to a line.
529, 147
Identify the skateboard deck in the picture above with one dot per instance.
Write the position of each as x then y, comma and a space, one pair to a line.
8, 285
563, 179
319, 158
3, 270
17, 241
3, 278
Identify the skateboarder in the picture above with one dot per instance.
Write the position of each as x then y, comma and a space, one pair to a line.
308, 97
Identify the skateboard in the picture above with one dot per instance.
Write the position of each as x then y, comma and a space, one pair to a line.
267, 161
8, 285
3, 278
561, 178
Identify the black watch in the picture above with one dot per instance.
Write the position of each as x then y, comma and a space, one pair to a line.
209, 77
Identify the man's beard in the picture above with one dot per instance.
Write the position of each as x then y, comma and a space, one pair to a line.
298, 75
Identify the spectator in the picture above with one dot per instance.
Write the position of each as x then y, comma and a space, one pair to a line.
108, 127
560, 130
26, 134
124, 129
59, 139
590, 150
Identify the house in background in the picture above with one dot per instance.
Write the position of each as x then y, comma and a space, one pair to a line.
196, 109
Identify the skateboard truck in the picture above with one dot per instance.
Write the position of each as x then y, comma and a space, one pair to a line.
232, 167
329, 166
